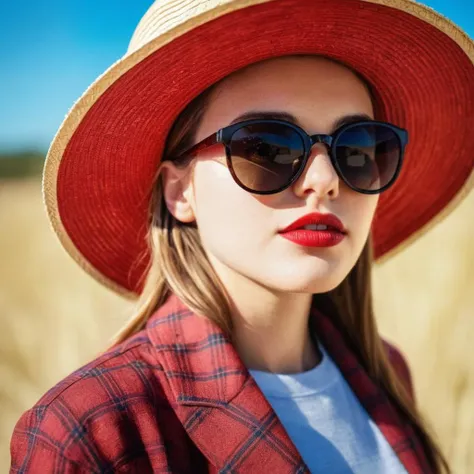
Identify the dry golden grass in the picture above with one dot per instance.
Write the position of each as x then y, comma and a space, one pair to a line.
55, 317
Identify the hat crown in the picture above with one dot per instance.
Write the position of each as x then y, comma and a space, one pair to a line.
164, 15
116, 132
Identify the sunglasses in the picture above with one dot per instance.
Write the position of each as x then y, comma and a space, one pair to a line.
267, 156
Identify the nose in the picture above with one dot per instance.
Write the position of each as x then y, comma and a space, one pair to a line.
319, 175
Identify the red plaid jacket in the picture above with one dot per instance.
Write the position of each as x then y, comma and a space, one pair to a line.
176, 398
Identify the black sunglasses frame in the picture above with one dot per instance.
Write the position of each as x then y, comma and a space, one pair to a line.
224, 136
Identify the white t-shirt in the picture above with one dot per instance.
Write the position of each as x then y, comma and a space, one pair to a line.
326, 422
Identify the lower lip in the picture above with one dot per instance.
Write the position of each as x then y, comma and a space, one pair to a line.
314, 238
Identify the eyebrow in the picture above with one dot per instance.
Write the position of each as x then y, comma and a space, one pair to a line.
278, 115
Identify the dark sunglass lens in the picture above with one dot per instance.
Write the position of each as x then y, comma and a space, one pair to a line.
266, 156
368, 156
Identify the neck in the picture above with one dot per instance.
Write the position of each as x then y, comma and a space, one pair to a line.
270, 330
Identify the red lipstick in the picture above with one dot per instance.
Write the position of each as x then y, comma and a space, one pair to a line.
315, 230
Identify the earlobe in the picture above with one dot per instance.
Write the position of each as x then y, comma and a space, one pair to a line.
177, 191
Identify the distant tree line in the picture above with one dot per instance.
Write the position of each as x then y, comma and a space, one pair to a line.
21, 165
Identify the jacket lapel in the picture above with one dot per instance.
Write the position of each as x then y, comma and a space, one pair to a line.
217, 401
225, 413
399, 434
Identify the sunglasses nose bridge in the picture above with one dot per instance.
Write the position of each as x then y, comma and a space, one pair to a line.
325, 140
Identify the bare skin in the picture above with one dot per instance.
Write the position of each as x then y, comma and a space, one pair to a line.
270, 280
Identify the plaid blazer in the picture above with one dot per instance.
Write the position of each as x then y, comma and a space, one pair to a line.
176, 398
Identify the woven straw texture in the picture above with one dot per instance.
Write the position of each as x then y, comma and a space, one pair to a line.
101, 165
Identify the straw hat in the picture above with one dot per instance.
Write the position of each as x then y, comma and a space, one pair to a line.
100, 168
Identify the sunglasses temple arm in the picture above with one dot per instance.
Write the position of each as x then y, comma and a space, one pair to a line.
202, 145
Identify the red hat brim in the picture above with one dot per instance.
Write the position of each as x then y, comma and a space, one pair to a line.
98, 183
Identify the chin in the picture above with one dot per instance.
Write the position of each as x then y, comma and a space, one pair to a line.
323, 286
311, 282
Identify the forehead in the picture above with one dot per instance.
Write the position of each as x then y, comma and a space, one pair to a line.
316, 90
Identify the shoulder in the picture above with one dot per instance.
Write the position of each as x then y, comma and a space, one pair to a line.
400, 365
87, 419
118, 374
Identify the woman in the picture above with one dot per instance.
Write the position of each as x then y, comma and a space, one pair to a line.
254, 164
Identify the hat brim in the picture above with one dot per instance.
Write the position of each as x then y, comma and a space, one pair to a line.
101, 166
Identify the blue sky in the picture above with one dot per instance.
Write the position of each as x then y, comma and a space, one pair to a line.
51, 50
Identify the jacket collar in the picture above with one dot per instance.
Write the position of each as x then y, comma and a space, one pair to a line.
203, 369
200, 362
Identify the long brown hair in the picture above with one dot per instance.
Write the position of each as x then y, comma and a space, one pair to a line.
179, 265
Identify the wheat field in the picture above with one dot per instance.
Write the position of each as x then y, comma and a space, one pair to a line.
55, 317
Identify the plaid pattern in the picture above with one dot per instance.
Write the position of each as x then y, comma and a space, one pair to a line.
176, 398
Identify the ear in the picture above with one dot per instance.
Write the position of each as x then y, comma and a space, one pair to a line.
177, 190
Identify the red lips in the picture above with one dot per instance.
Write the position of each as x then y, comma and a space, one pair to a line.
332, 235
315, 218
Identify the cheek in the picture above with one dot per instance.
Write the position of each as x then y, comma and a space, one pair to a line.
228, 217
362, 211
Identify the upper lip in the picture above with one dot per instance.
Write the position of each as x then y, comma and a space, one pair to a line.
329, 220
